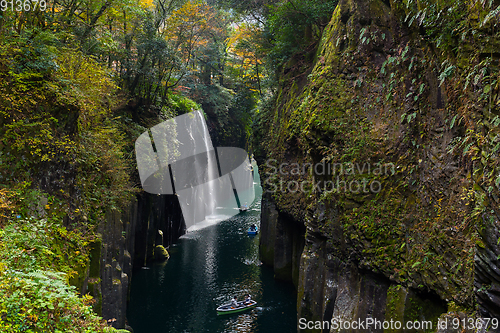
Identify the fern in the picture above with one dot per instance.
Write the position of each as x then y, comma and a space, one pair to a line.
491, 14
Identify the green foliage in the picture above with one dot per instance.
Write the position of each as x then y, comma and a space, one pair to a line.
62, 118
216, 100
34, 237
42, 301
182, 105
58, 133
36, 270
103, 173
294, 25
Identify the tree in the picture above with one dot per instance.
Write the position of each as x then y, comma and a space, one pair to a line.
246, 56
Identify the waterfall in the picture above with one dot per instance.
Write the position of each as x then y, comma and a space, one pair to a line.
212, 169
183, 161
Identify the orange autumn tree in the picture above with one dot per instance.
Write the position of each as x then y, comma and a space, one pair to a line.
245, 58
190, 28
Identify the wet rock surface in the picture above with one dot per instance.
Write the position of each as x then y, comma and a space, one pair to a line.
487, 277
130, 239
413, 250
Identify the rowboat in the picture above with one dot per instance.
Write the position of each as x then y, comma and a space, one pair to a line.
230, 309
253, 231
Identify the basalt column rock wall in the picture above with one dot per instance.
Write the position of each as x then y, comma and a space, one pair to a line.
128, 240
408, 228
281, 241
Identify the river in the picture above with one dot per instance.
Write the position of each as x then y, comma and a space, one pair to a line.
206, 269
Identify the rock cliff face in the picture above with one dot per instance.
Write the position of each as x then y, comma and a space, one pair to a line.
386, 153
281, 241
128, 241
487, 279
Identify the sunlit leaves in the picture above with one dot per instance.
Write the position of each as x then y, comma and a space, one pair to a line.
189, 27
147, 3
89, 86
243, 44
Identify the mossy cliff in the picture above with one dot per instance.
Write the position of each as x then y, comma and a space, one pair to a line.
68, 209
383, 144
129, 239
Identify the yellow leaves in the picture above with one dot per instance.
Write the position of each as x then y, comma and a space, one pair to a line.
147, 4
4, 199
32, 317
190, 27
91, 85
242, 34
188, 18
242, 46
5, 204
71, 274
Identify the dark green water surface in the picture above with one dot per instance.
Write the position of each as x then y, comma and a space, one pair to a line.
206, 269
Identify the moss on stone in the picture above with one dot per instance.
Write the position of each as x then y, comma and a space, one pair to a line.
395, 305
383, 103
78, 279
423, 309
94, 290
161, 253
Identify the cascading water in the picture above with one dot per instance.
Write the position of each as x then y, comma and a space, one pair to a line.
203, 198
185, 162
209, 197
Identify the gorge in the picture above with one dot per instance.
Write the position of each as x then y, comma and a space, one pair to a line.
398, 100
424, 245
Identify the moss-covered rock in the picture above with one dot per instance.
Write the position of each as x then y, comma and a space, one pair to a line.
114, 330
161, 253
380, 94
95, 258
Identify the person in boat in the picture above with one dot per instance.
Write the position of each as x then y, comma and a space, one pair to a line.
234, 302
248, 299
253, 227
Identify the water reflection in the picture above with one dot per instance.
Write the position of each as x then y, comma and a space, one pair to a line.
241, 323
206, 269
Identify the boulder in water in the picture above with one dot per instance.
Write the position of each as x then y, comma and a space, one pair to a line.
161, 253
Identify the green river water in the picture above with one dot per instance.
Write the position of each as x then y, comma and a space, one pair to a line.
206, 269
